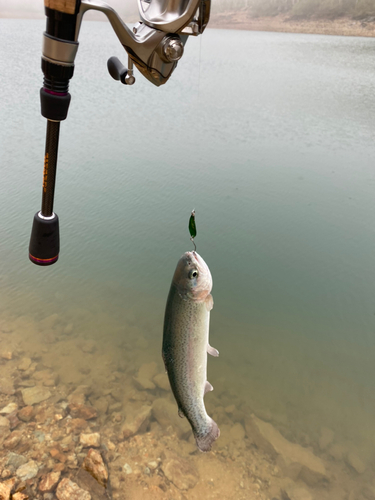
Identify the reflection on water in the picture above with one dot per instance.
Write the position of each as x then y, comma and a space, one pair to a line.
279, 170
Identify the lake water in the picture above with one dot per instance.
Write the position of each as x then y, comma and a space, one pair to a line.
270, 138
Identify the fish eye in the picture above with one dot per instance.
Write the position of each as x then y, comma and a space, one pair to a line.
193, 273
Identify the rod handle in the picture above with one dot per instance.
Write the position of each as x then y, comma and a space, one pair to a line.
66, 6
45, 240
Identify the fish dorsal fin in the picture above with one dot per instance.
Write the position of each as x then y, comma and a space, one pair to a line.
209, 302
208, 387
211, 350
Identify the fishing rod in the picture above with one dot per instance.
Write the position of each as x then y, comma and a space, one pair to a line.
153, 46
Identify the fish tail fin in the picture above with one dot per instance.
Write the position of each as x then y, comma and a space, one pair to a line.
205, 441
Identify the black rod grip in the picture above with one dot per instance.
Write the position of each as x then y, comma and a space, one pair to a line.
44, 245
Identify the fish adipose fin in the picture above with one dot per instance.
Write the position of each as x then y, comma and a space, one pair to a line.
211, 350
208, 387
205, 441
209, 302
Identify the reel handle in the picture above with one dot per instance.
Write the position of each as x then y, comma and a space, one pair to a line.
118, 71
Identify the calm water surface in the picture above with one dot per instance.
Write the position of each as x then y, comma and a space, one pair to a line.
270, 137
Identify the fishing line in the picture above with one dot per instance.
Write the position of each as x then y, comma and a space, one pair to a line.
199, 66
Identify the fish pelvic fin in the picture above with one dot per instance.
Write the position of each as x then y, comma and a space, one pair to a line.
211, 350
206, 440
208, 387
181, 414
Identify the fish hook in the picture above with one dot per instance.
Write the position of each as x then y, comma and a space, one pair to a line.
195, 246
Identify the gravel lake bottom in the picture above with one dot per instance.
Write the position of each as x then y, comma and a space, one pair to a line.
90, 416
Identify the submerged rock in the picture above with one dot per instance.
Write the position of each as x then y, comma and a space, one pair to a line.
181, 472
15, 461
93, 463
10, 408
101, 405
127, 469
26, 413
48, 482
57, 454
34, 395
67, 490
12, 440
353, 460
85, 481
76, 425
161, 380
82, 411
8, 355
237, 432
78, 396
135, 421
295, 460
24, 364
4, 422
27, 471
294, 492
143, 380
338, 451
88, 346
90, 440
6, 488
20, 496
13, 420
4, 427
165, 413
6, 387
46, 377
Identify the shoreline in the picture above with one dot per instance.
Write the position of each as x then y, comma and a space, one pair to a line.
241, 20
344, 26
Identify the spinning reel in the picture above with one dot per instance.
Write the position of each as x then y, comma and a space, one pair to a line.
154, 47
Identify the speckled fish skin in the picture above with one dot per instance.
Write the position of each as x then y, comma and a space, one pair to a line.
185, 344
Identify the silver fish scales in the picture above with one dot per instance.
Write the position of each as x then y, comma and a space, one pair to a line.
185, 344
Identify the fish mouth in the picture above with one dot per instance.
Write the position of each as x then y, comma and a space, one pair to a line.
197, 259
203, 268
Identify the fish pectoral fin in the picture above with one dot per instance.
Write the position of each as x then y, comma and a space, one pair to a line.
209, 302
211, 350
181, 413
208, 387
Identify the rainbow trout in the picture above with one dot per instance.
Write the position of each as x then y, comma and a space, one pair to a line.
185, 344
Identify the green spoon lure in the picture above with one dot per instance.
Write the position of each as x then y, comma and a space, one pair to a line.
193, 229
